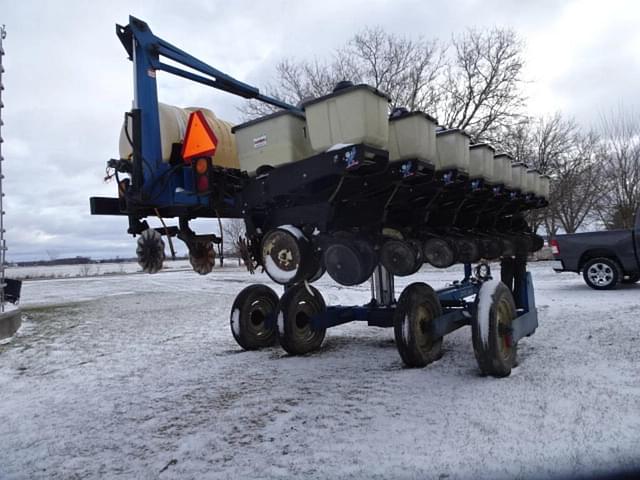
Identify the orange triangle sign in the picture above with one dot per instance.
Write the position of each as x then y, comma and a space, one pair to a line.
199, 140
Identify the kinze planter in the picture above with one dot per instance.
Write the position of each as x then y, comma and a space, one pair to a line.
335, 185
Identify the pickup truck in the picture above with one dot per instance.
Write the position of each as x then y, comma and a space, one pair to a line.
604, 258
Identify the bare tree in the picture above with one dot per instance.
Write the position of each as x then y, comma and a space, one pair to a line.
577, 185
408, 70
481, 91
621, 167
234, 230
550, 145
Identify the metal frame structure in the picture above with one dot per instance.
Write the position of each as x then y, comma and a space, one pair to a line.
341, 200
457, 311
146, 50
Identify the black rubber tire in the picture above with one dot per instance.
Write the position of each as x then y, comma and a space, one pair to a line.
250, 314
399, 257
601, 273
494, 312
491, 247
633, 278
319, 269
417, 246
369, 256
418, 306
439, 252
468, 250
346, 263
296, 307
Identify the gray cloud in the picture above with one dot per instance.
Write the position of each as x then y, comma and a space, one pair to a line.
68, 82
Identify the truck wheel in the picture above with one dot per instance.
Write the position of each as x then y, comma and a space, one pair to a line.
413, 319
634, 278
297, 306
491, 330
253, 317
601, 273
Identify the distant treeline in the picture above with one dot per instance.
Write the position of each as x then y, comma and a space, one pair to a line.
72, 261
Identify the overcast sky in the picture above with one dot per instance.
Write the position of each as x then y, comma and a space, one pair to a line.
68, 82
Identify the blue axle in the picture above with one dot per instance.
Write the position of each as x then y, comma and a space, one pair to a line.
456, 311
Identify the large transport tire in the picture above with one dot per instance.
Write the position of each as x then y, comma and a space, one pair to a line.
633, 278
601, 273
415, 313
491, 329
296, 308
250, 320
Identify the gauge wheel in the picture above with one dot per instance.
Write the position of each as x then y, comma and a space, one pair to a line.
492, 329
253, 317
417, 309
601, 273
299, 304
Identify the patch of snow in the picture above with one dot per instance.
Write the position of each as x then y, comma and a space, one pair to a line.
280, 323
484, 309
339, 146
96, 386
235, 321
279, 275
295, 231
405, 329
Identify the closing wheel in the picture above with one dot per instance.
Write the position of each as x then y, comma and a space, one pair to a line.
601, 273
399, 257
253, 317
439, 252
491, 329
491, 247
298, 305
468, 250
417, 308
202, 257
349, 261
150, 251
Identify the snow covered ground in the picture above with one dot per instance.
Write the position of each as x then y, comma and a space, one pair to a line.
137, 376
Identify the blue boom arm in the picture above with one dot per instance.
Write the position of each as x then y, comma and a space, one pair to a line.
145, 51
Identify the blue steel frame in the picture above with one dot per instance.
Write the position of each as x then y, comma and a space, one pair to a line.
145, 50
456, 311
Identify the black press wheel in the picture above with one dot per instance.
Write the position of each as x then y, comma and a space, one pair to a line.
253, 317
299, 304
417, 308
601, 273
491, 329
633, 278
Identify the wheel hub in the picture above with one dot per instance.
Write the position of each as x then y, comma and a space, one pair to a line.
600, 274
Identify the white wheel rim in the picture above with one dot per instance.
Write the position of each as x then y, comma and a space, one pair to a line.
600, 274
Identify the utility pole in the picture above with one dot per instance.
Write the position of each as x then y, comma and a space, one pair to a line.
3, 242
